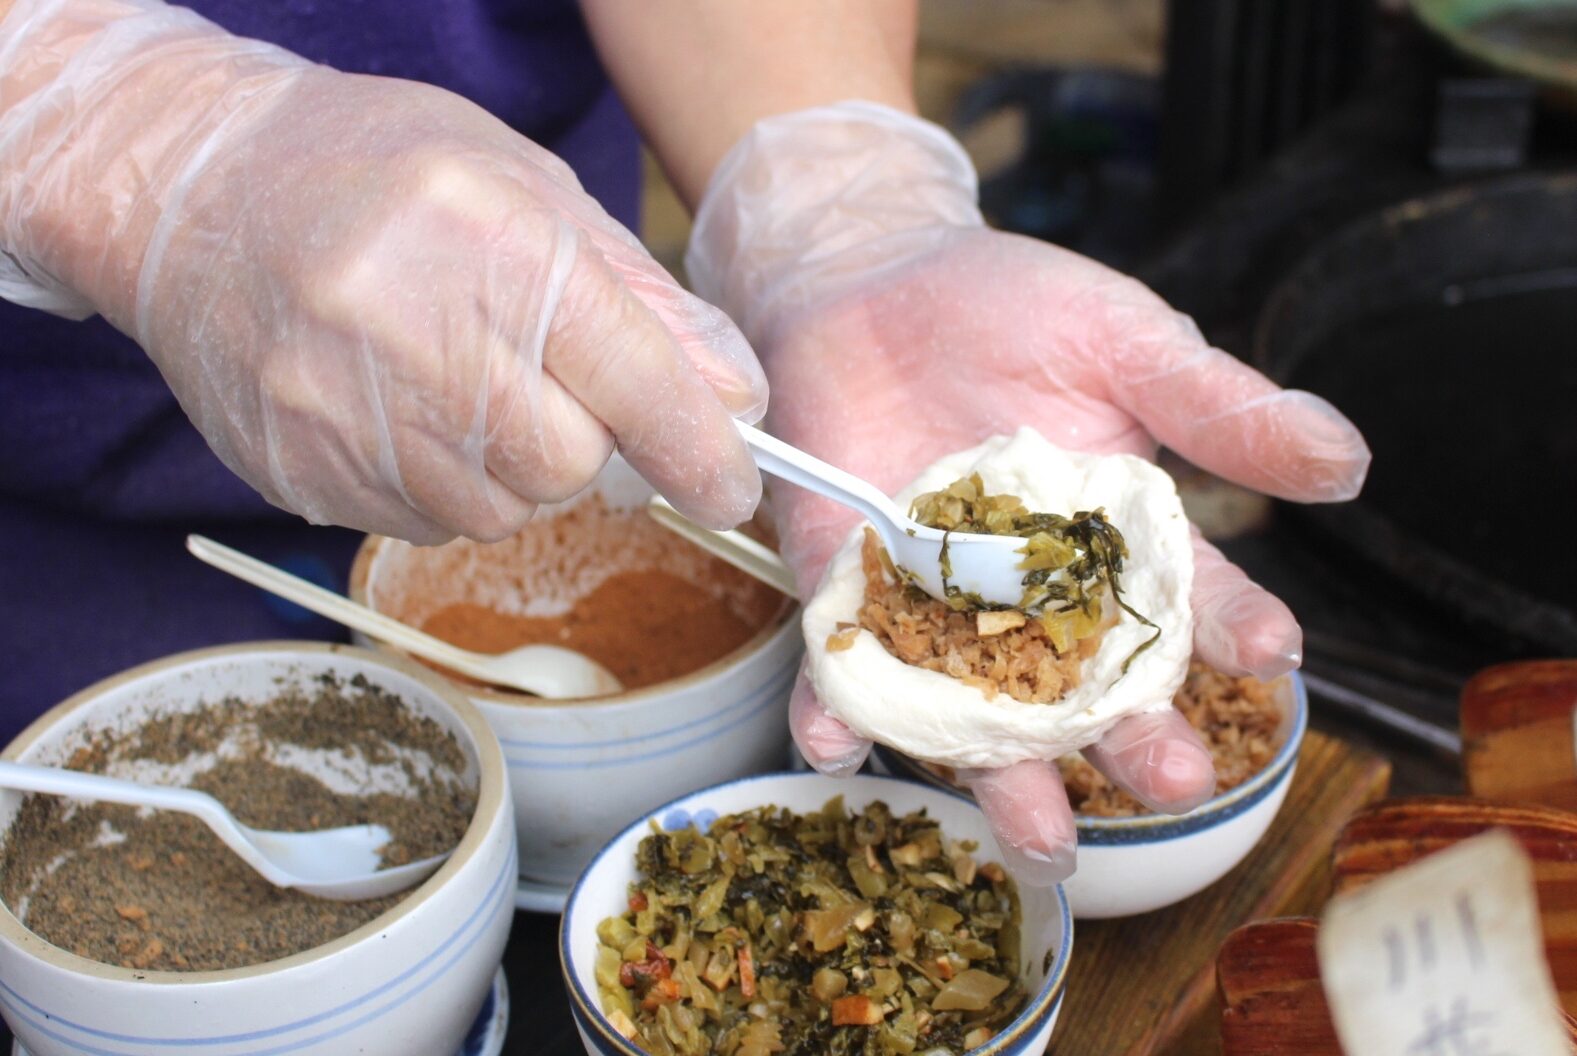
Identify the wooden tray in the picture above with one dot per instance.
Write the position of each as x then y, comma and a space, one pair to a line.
1268, 971
1270, 984
1147, 984
1402, 831
1517, 733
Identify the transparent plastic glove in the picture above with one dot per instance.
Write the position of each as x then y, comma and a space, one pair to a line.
382, 307
896, 328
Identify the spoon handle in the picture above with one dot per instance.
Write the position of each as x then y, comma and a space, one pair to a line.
795, 466
336, 607
56, 781
737, 548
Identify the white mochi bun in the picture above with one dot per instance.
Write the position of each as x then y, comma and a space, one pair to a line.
936, 718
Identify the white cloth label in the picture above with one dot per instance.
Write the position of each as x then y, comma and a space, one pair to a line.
1443, 958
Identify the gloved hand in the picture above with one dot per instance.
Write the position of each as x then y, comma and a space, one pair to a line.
382, 307
896, 328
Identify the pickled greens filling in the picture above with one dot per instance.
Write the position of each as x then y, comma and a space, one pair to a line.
1070, 563
825, 933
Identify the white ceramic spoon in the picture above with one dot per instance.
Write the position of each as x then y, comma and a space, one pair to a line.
985, 565
549, 671
341, 864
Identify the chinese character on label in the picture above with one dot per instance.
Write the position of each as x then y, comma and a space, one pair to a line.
1443, 958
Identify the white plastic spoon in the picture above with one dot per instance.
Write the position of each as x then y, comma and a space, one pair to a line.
549, 671
341, 864
984, 565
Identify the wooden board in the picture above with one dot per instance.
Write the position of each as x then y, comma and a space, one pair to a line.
1271, 997
1517, 733
1147, 984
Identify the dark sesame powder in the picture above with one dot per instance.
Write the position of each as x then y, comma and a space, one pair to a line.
166, 894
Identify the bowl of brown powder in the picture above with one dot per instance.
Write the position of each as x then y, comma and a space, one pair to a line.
707, 654
140, 926
1132, 860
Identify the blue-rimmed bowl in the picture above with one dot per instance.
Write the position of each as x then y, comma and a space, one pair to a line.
407, 983
576, 766
602, 891
1136, 864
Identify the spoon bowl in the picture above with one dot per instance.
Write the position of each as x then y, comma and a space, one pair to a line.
982, 565
549, 671
340, 864
556, 672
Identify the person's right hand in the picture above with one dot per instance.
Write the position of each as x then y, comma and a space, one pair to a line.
382, 307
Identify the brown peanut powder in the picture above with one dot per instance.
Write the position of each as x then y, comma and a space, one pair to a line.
163, 893
645, 627
608, 582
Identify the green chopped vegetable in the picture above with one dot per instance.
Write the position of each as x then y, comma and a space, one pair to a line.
773, 933
1070, 563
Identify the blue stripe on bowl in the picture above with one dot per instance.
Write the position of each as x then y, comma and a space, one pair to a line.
599, 1040
1158, 828
765, 698
497, 891
1014, 1039
563, 746
484, 1037
1173, 828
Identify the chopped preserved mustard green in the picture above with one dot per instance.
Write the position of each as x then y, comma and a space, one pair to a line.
825, 933
1070, 563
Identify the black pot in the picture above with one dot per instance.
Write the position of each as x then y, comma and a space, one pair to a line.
1446, 327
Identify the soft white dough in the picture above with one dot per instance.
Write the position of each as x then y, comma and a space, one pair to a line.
931, 716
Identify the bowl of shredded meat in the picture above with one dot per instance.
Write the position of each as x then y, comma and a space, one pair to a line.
1132, 860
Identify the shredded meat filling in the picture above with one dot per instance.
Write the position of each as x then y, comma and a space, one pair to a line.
1239, 719
973, 647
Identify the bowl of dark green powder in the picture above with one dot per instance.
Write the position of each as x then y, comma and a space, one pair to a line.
140, 926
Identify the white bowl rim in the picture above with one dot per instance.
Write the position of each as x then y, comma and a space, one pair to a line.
1040, 1004
491, 785
782, 621
1141, 829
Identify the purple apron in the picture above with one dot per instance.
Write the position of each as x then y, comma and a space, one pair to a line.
102, 476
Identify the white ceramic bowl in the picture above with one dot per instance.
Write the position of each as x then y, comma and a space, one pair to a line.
408, 983
603, 889
1136, 864
579, 768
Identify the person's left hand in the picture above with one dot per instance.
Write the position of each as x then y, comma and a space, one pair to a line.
933, 333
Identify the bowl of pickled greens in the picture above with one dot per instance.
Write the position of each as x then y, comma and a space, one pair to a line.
803, 915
